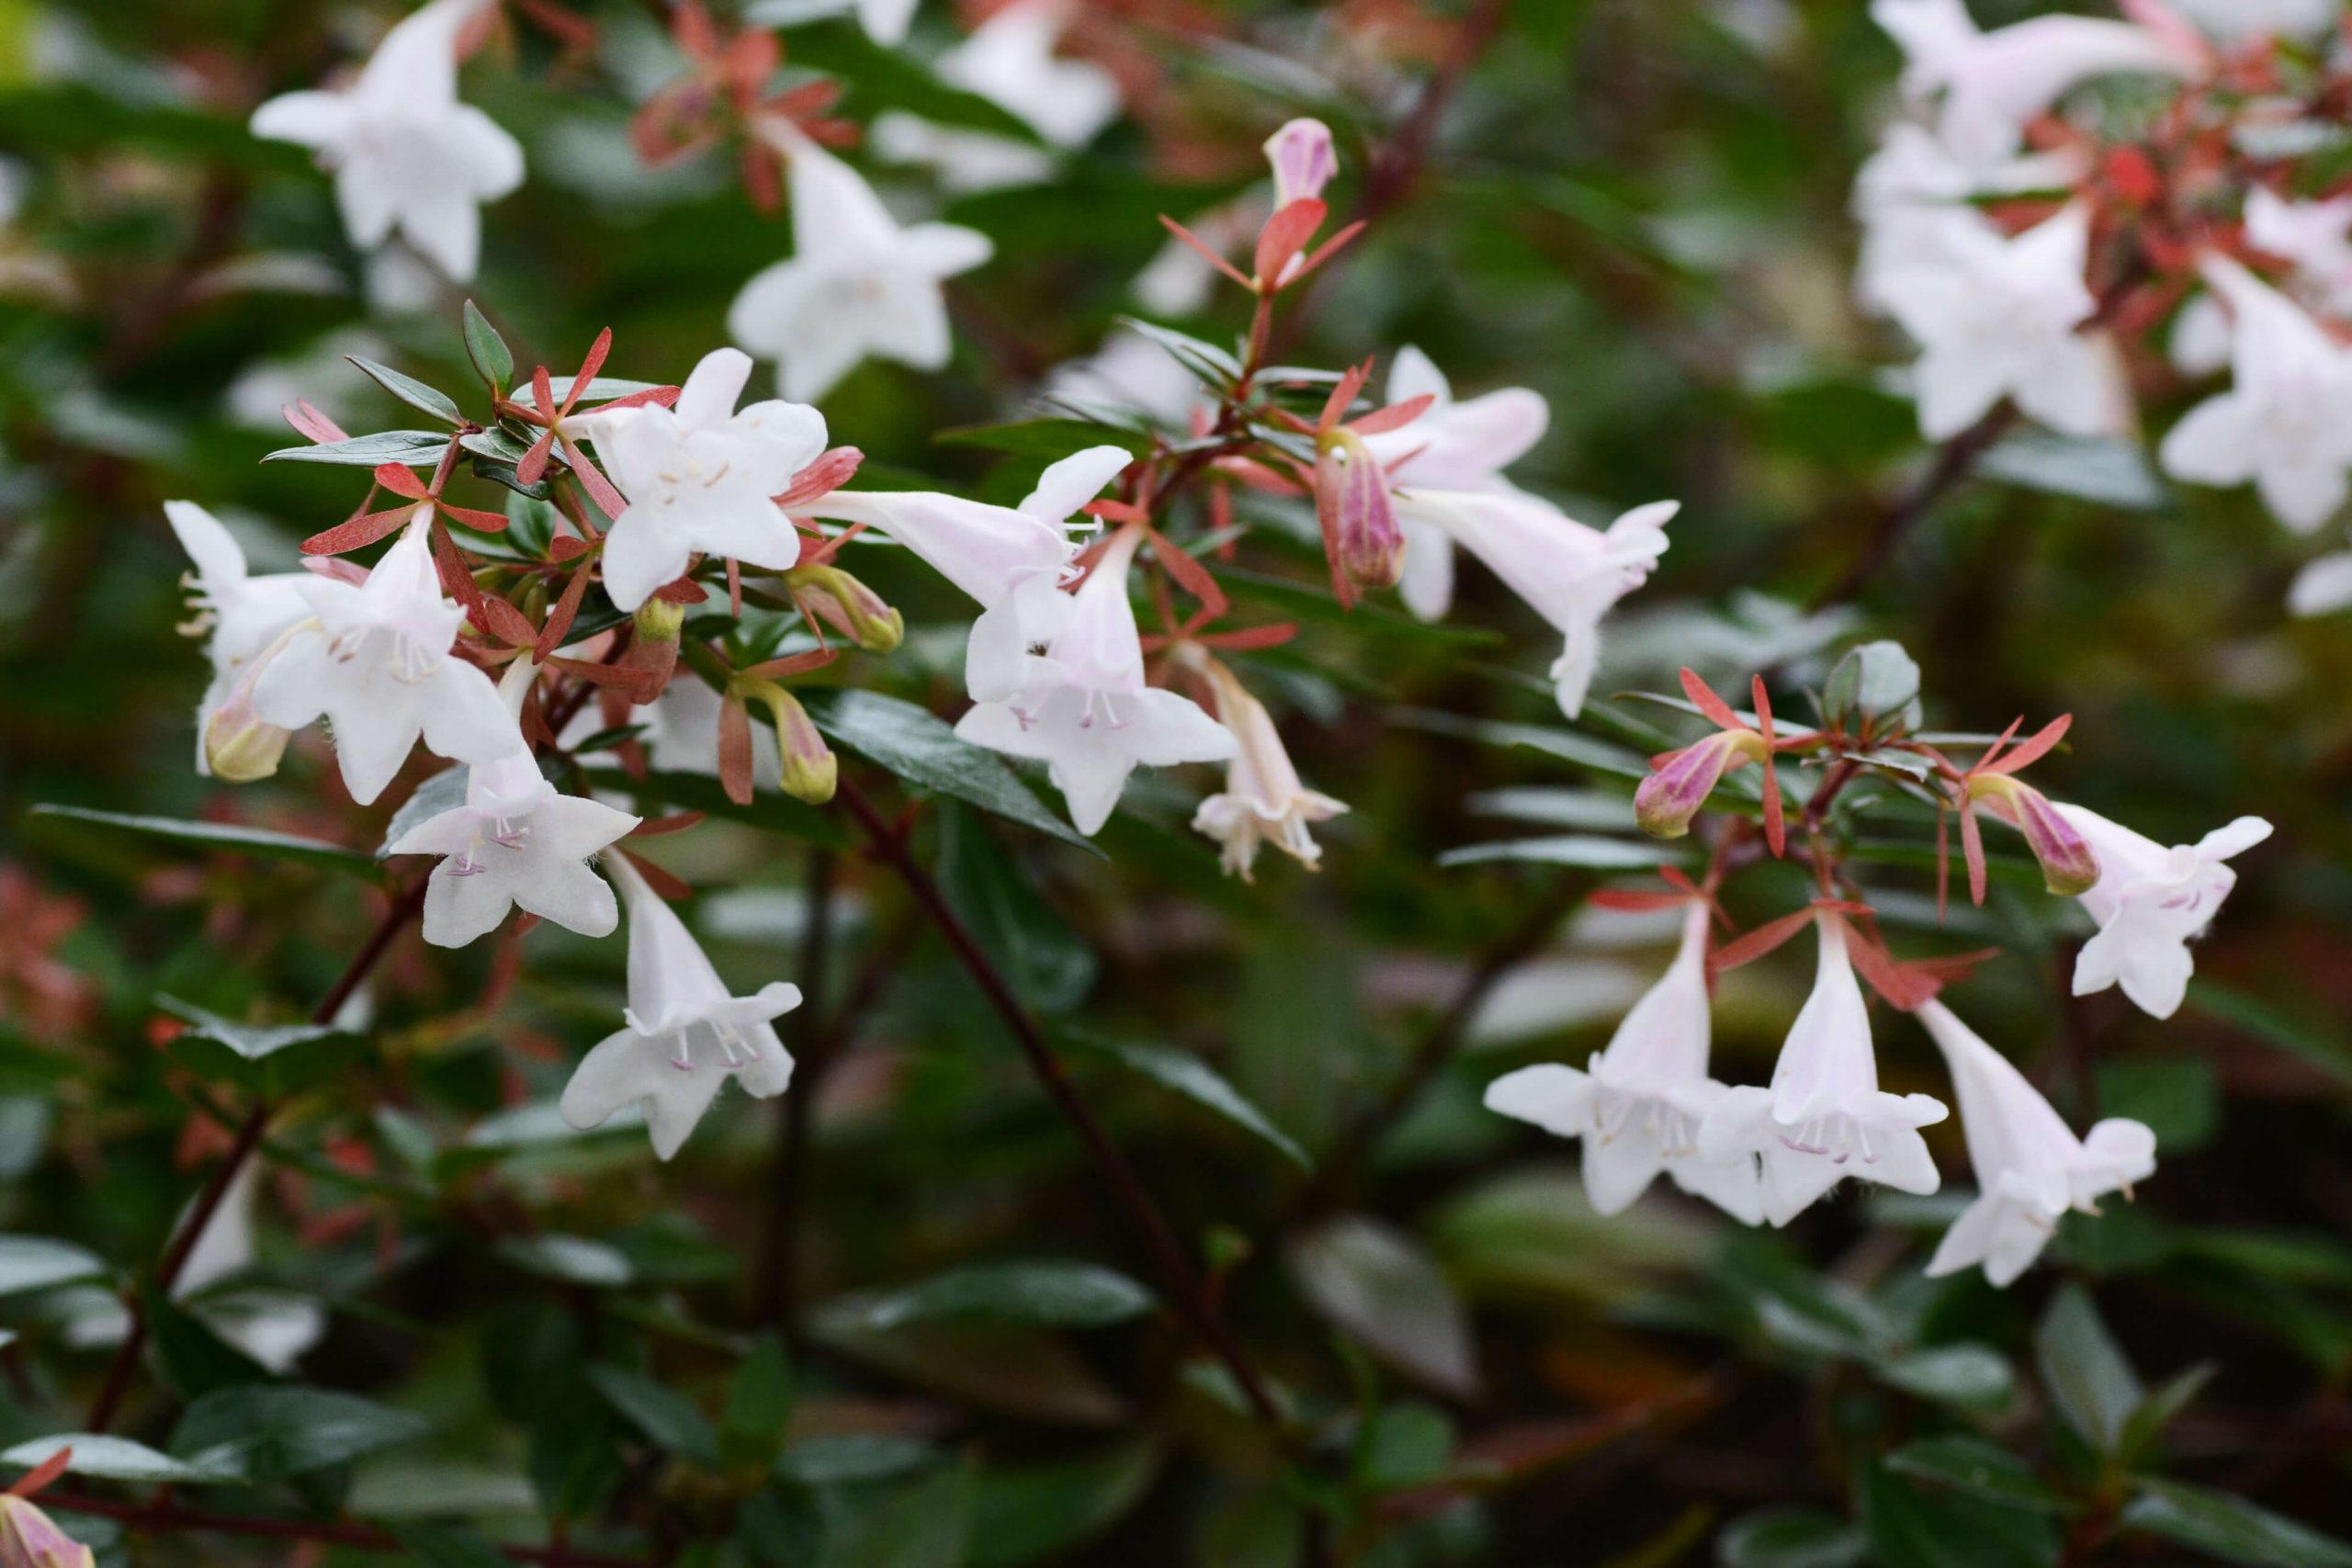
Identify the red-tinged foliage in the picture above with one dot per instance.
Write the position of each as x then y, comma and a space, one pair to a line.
834, 468
1213, 259
1285, 235
735, 749
357, 532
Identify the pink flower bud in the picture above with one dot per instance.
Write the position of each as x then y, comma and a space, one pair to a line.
1351, 502
2069, 865
1302, 160
28, 1540
1679, 785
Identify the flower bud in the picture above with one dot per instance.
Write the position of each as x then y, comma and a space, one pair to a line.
2069, 865
658, 620
1675, 792
809, 767
1352, 504
850, 605
28, 1540
1302, 160
240, 746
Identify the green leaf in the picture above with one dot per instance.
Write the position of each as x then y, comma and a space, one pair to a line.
1586, 850
840, 1457
1968, 1377
191, 1358
2082, 1367
759, 1397
1205, 360
257, 841
2103, 469
574, 1259
1789, 1538
1872, 685
2179, 1098
409, 448
494, 361
1404, 1445
2307, 1039
1197, 1081
770, 811
412, 391
119, 1459
39, 1263
922, 1522
1050, 438
925, 752
663, 1414
1382, 1288
445, 791
266, 1433
2165, 1402
1038, 1513
1048, 963
268, 1060
447, 1546
600, 388
1980, 1469
2230, 1527
1053, 1294
1949, 1528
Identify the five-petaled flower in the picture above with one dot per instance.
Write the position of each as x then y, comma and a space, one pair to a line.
1264, 801
2150, 902
246, 615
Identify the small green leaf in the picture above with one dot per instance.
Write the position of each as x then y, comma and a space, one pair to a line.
2103, 469
409, 448
600, 388
266, 1432
759, 1397
851, 1456
119, 1459
1048, 963
2230, 1527
268, 1060
663, 1414
1038, 1513
1205, 360
1197, 1081
1980, 1469
2165, 1402
1049, 1293
574, 1259
1871, 687
412, 391
1949, 1528
494, 361
1967, 1377
256, 841
39, 1263
1404, 1445
1789, 1538
926, 751
1587, 850
2084, 1370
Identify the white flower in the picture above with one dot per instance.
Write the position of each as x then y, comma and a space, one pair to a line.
2030, 1169
1640, 1106
1453, 446
405, 153
2324, 585
2199, 341
1824, 1116
1913, 189
516, 841
1993, 83
1996, 316
1131, 371
1083, 708
1009, 559
2231, 20
687, 1034
1009, 60
378, 669
2286, 421
885, 21
1568, 574
1263, 802
965, 161
2311, 234
700, 477
2149, 902
244, 613
856, 284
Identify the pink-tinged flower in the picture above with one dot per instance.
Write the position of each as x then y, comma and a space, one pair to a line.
1083, 708
1264, 801
404, 152
377, 667
2150, 902
1679, 782
2286, 421
1352, 504
2029, 1166
1825, 1117
1570, 574
699, 478
1993, 83
1639, 1107
1010, 558
29, 1540
687, 1034
2069, 864
1302, 160
1009, 60
1997, 318
1453, 446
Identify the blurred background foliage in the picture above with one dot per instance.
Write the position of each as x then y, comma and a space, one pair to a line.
1637, 208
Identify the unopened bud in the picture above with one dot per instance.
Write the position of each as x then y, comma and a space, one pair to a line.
240, 746
659, 620
29, 1540
1351, 502
2069, 865
1675, 793
809, 767
848, 605
1302, 160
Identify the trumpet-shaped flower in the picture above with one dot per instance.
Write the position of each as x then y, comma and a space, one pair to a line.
1011, 559
1997, 318
377, 667
856, 284
1825, 1117
2150, 901
1570, 574
2286, 421
699, 477
1264, 801
687, 1034
1301, 157
1083, 708
404, 152
2030, 1169
1639, 1107
244, 613
1009, 60
516, 841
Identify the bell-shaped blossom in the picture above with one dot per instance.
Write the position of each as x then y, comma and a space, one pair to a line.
856, 284
1300, 154
1009, 60
1083, 708
1011, 559
31, 1539
1992, 84
244, 613
2286, 421
965, 162
1640, 1106
2150, 901
378, 668
1264, 801
2233, 21
2069, 865
2030, 1169
1825, 1117
687, 1034
699, 477
1570, 574
516, 841
1915, 191
404, 151
1453, 446
2323, 586
1997, 318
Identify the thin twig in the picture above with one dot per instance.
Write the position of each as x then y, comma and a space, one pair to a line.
779, 1292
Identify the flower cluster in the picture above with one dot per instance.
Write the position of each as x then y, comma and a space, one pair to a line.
1646, 1105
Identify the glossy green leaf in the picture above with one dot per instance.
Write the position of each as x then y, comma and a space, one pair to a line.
492, 360
2084, 1369
660, 1411
1789, 1538
1978, 1467
412, 391
1051, 1293
1039, 1513
42, 1263
268, 1433
110, 1458
409, 448
925, 752
1187, 1075
268, 1060
2230, 1528
260, 843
